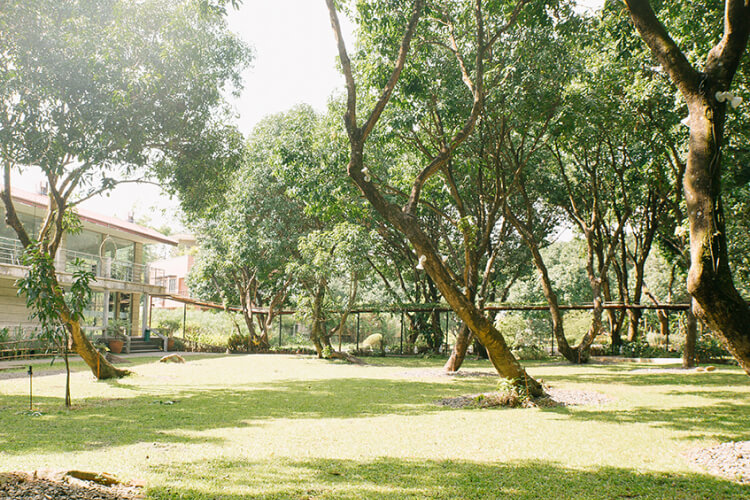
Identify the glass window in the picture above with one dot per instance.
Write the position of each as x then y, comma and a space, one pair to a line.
118, 249
30, 223
86, 241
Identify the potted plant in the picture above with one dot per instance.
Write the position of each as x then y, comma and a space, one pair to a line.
116, 335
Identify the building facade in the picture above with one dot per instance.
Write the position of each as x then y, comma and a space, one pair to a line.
112, 247
176, 270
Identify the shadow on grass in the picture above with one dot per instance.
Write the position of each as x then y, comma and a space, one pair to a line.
723, 421
389, 478
56, 366
626, 377
168, 417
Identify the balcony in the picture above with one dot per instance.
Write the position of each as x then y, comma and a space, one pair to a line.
103, 267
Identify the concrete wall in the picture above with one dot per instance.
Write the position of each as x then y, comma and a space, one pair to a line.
13, 310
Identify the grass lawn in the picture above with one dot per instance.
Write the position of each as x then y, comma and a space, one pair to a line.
272, 426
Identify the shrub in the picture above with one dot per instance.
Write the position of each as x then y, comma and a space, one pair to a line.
202, 327
530, 353
642, 349
239, 343
327, 351
169, 325
512, 394
515, 329
708, 349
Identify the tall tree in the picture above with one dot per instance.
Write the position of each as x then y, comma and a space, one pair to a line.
706, 91
93, 91
472, 21
252, 229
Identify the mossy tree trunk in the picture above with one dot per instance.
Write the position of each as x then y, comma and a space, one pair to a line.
718, 302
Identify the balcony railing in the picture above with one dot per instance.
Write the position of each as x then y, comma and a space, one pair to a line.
102, 267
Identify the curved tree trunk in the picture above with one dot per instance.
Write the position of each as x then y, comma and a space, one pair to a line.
718, 303
497, 349
404, 218
572, 354
458, 353
100, 367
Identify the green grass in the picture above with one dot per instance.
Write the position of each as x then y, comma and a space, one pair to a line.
255, 426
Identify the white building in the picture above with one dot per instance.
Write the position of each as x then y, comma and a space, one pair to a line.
113, 248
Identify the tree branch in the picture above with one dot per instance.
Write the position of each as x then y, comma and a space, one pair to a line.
663, 47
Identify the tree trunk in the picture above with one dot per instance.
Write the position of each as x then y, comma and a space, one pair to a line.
558, 331
691, 335
317, 335
718, 303
634, 319
100, 367
634, 315
436, 341
458, 353
710, 283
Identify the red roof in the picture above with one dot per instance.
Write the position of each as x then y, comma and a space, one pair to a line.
42, 201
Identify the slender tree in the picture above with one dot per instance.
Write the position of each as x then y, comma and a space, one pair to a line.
403, 217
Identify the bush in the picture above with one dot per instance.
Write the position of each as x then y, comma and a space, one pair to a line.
202, 327
642, 349
169, 326
239, 343
515, 330
708, 349
530, 353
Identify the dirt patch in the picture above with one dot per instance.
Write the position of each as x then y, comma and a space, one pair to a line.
52, 485
729, 460
679, 371
439, 372
554, 397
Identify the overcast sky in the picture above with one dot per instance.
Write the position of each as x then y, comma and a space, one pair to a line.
295, 62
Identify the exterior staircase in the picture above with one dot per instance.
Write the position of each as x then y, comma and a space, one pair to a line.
139, 344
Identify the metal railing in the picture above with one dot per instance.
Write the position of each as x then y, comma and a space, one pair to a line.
103, 267
10, 251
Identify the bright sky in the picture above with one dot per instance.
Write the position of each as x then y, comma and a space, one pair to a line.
295, 62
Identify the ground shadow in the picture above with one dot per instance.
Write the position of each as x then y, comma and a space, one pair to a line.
389, 478
627, 377
723, 421
152, 417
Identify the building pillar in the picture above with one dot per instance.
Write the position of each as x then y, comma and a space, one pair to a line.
144, 313
105, 312
135, 310
139, 273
